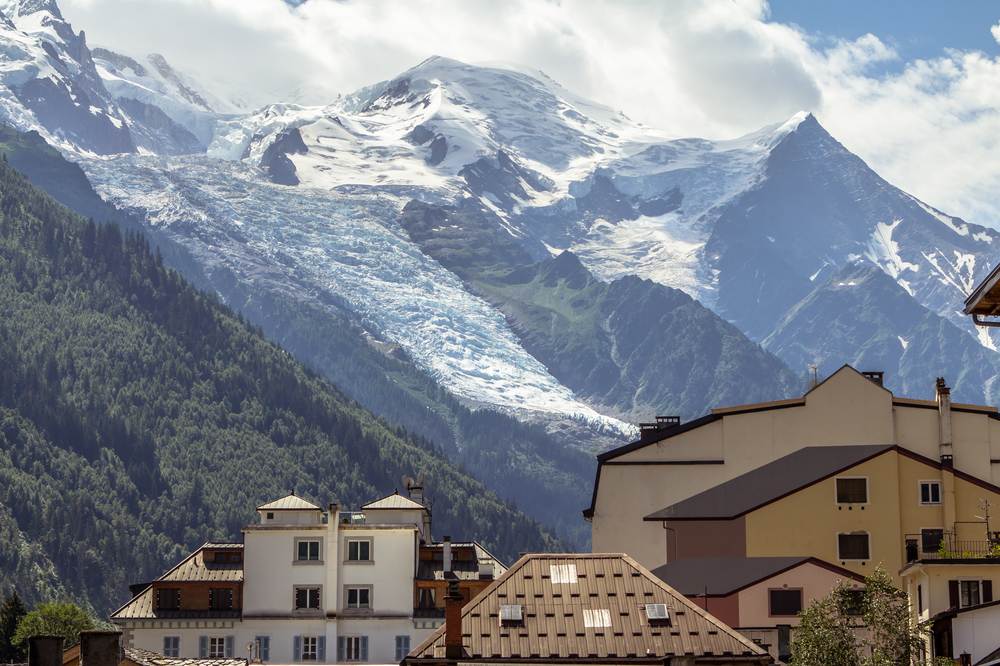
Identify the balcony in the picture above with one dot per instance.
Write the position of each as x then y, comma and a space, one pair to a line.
940, 545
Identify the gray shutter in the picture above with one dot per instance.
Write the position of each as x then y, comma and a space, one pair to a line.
341, 648
364, 648
264, 653
203, 647
230, 640
297, 648
321, 648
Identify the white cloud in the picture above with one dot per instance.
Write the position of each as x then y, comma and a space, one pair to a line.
707, 69
995, 30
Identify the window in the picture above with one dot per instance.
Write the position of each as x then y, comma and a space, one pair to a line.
310, 648
785, 602
359, 550
216, 647
426, 598
171, 646
596, 617
306, 598
854, 601
168, 598
270, 515
563, 574
930, 540
969, 593
930, 492
920, 598
852, 490
359, 597
263, 648
853, 546
402, 647
307, 550
510, 614
220, 598
352, 648
657, 614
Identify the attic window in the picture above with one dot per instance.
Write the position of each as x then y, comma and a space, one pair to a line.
563, 574
596, 617
510, 614
657, 614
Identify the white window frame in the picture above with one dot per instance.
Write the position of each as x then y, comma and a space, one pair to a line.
319, 551
175, 650
352, 644
310, 648
852, 559
216, 642
920, 492
979, 590
868, 493
359, 588
352, 540
307, 608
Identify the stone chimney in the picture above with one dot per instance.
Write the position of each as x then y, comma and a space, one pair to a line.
453, 603
45, 651
446, 555
946, 451
100, 648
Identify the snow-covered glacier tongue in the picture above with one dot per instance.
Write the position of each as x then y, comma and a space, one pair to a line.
343, 245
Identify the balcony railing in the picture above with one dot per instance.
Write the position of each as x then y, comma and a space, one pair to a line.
946, 546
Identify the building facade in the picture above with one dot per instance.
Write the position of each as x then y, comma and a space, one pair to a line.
305, 586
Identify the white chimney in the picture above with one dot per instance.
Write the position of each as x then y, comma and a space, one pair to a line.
943, 395
446, 554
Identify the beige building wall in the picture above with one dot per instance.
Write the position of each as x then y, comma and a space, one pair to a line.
846, 409
814, 581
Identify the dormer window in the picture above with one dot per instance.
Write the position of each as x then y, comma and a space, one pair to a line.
852, 490
168, 598
657, 614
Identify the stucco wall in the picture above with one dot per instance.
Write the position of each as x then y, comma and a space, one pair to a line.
815, 582
271, 573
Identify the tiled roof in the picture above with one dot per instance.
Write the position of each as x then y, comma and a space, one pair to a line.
719, 576
567, 602
289, 503
393, 501
769, 482
150, 658
463, 567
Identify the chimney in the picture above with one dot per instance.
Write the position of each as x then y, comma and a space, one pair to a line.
415, 489
943, 396
648, 432
452, 622
100, 648
446, 554
45, 651
876, 376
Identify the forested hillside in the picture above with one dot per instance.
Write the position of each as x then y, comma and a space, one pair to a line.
139, 417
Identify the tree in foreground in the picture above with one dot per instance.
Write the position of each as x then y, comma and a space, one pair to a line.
54, 619
826, 635
11, 613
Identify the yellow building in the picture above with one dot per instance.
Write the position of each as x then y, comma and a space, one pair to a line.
847, 473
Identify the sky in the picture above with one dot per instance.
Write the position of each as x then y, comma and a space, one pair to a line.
912, 87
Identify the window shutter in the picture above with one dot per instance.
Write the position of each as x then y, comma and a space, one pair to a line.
203, 647
300, 598
321, 649
166, 645
230, 640
297, 648
211, 599
264, 649
341, 648
953, 593
364, 648
987, 587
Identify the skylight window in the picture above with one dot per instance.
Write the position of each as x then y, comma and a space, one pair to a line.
510, 614
563, 574
657, 613
596, 617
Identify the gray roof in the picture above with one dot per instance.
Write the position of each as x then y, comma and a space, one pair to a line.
770, 482
150, 658
393, 501
720, 576
289, 503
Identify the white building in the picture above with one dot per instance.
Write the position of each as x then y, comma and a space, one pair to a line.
304, 586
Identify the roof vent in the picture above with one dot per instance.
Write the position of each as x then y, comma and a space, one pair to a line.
874, 375
510, 614
649, 431
657, 614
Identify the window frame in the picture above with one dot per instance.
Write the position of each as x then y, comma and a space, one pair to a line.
927, 529
400, 645
307, 608
962, 582
314, 651
212, 641
836, 490
356, 658
160, 606
770, 604
175, 649
369, 589
920, 492
298, 541
349, 541
213, 595
854, 559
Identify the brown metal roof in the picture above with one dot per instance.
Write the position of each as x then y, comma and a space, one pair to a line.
555, 615
720, 576
770, 482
